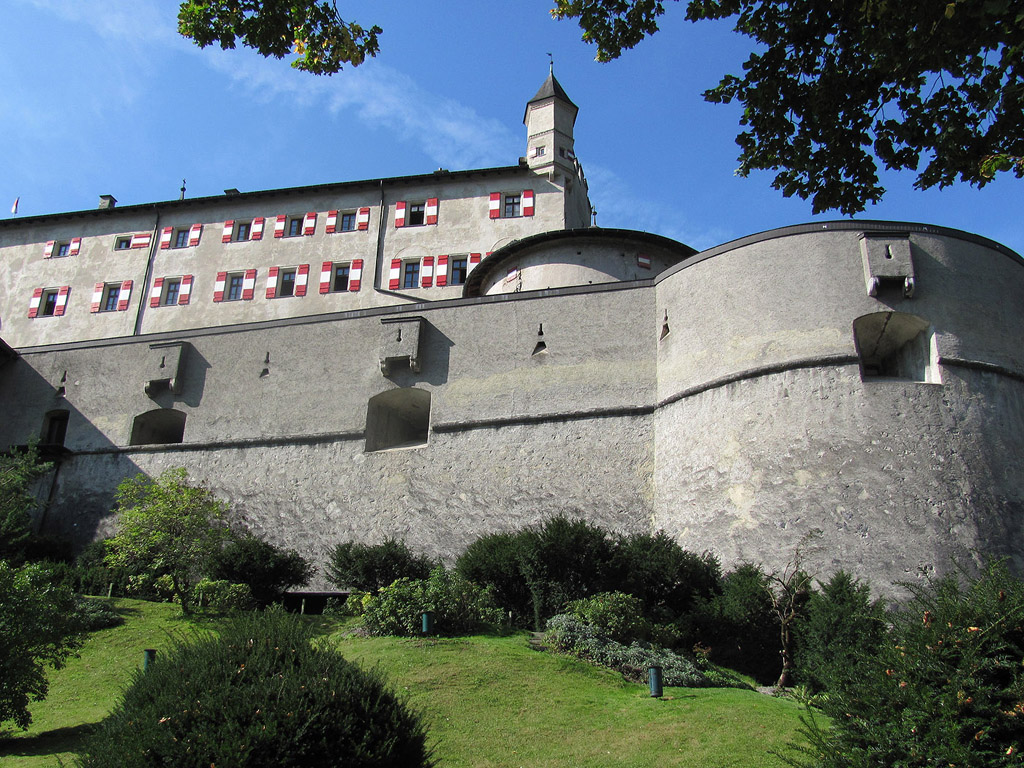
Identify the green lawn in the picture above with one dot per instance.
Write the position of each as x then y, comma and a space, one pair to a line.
487, 701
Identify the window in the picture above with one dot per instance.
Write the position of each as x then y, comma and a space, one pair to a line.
181, 238
896, 345
48, 304
294, 227
398, 418
286, 282
235, 282
61, 249
158, 427
123, 243
172, 289
55, 427
414, 215
348, 221
411, 274
242, 230
111, 293
458, 270
512, 206
339, 277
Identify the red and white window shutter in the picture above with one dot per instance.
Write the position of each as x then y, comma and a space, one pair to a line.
33, 303
165, 238
75, 247
326, 273
256, 233
309, 223
495, 209
279, 225
124, 296
249, 284
431, 210
400, 213
442, 271
62, 300
427, 272
97, 297
395, 277
301, 279
272, 282
218, 286
194, 233
363, 219
155, 291
355, 274
643, 261
141, 240
229, 228
185, 291
332, 222
48, 250
527, 202
474, 259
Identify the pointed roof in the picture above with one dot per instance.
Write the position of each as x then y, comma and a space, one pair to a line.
550, 89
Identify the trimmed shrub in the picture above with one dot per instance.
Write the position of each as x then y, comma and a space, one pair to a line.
268, 570
568, 634
493, 561
615, 615
945, 688
840, 625
261, 694
371, 567
459, 606
92, 614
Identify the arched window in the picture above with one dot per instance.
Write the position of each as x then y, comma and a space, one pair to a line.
398, 418
159, 426
895, 345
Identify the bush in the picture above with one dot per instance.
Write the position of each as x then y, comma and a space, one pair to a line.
459, 606
568, 634
945, 688
371, 567
91, 614
261, 694
839, 627
222, 596
268, 570
493, 561
615, 615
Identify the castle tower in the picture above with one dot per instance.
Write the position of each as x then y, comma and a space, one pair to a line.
549, 119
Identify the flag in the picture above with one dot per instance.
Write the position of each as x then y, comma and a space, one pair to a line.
14, 208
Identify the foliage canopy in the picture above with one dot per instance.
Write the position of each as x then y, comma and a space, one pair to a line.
832, 87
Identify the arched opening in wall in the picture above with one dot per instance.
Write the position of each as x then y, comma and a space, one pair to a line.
55, 427
398, 418
895, 345
159, 426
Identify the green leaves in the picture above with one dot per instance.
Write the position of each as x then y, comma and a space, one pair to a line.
312, 29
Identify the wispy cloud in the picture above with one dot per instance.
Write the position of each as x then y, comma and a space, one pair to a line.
618, 205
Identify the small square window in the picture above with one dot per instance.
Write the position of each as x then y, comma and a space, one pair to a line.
414, 215
339, 278
111, 293
172, 288
181, 238
242, 231
294, 227
123, 243
286, 282
512, 206
348, 221
411, 274
48, 302
235, 282
458, 271
61, 249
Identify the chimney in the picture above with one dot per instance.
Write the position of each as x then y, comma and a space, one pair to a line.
107, 201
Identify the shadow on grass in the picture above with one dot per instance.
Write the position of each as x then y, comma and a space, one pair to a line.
51, 742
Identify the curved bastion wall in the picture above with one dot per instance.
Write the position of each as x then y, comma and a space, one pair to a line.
791, 399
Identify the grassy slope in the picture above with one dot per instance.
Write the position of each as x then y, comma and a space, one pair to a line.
487, 702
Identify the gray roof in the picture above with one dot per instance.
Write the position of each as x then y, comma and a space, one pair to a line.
551, 88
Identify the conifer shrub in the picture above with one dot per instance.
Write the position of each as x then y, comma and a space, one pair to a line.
839, 627
261, 694
371, 567
493, 560
946, 686
458, 606
268, 570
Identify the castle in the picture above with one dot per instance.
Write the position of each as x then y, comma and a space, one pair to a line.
441, 356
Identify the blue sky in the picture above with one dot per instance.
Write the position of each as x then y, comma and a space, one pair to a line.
103, 97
